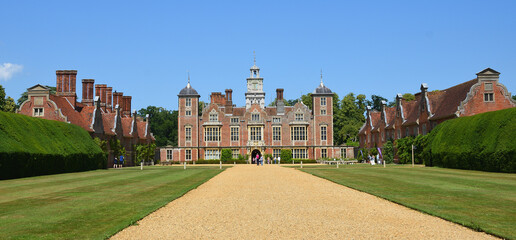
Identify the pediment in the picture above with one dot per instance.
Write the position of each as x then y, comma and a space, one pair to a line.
38, 87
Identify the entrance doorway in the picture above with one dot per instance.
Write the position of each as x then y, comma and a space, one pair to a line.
254, 153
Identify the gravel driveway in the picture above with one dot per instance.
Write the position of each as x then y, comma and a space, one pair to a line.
271, 202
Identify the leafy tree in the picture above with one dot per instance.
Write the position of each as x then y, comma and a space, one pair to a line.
24, 96
102, 144
286, 155
201, 107
292, 102
409, 97
145, 153
514, 97
2, 97
273, 103
307, 100
226, 155
404, 147
348, 119
376, 102
388, 152
6, 104
116, 147
163, 124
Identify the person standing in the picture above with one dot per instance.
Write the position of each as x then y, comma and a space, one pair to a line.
257, 160
115, 162
121, 161
261, 160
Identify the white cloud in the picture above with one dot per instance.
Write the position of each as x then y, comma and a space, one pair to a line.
7, 70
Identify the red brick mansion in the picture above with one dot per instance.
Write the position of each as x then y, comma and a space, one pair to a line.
419, 116
255, 128
106, 116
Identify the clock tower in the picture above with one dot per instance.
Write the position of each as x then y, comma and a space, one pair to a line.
255, 93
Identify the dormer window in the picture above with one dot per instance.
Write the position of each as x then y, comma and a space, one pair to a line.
299, 117
214, 117
255, 117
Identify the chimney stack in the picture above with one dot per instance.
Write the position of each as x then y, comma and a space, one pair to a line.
87, 91
279, 94
127, 105
109, 99
65, 85
117, 99
229, 101
100, 91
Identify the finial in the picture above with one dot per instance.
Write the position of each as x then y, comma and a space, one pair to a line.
321, 77
254, 56
188, 85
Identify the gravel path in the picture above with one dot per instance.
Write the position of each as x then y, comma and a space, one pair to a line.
271, 202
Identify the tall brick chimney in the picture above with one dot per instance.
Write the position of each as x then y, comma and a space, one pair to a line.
87, 91
280, 105
127, 105
109, 99
229, 101
117, 99
279, 94
100, 91
65, 84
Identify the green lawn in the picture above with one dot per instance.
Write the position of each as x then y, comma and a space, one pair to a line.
483, 201
91, 205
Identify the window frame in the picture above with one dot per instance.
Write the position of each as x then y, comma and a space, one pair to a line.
38, 112
234, 134
255, 133
323, 101
212, 134
188, 133
188, 154
324, 133
298, 133
276, 133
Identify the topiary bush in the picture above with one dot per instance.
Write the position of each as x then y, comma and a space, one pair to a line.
286, 155
31, 147
226, 155
485, 142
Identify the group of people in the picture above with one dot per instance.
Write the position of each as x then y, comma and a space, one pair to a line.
259, 160
373, 160
119, 162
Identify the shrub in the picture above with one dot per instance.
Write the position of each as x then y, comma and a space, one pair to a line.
482, 142
226, 155
286, 155
31, 147
388, 152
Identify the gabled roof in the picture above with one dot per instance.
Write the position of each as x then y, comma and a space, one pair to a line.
445, 103
390, 115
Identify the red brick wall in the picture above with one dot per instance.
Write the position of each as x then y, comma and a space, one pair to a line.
476, 104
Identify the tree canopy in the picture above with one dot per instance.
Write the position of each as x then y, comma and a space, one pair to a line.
163, 124
6, 104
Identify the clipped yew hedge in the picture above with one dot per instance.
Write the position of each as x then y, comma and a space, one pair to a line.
31, 147
485, 142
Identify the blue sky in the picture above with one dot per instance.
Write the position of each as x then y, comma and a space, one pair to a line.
146, 48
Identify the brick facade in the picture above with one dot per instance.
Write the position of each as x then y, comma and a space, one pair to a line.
411, 118
254, 128
96, 115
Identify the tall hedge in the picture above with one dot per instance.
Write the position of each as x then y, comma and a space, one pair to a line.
31, 146
485, 142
